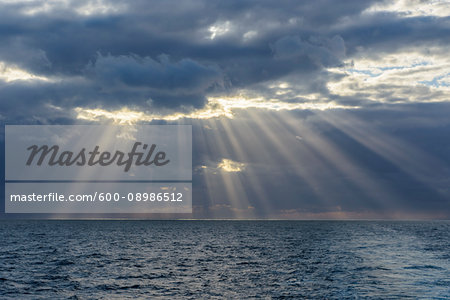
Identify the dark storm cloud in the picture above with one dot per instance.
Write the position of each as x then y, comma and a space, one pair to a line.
324, 52
166, 80
112, 82
387, 32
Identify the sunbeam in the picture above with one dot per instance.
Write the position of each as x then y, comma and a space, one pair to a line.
415, 162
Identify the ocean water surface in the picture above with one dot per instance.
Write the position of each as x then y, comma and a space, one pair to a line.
224, 259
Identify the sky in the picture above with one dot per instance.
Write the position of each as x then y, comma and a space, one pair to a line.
300, 109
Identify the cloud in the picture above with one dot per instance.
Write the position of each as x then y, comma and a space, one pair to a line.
167, 83
230, 166
223, 165
162, 55
10, 73
404, 76
412, 8
324, 52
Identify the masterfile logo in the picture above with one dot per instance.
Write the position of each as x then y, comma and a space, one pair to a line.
90, 152
68, 158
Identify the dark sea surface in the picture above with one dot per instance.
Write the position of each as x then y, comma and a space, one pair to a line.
224, 259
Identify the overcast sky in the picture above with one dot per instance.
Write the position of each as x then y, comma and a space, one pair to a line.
300, 109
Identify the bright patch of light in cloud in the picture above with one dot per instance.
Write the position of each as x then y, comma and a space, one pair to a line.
250, 35
399, 77
122, 116
44, 7
219, 29
10, 73
215, 108
84, 8
230, 166
100, 7
413, 8
225, 165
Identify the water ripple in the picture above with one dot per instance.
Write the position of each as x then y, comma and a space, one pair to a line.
224, 259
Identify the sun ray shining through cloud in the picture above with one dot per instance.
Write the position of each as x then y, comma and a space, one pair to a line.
413, 161
379, 195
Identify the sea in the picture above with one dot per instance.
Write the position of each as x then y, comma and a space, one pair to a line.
123, 259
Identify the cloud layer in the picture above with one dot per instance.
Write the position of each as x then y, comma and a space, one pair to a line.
161, 55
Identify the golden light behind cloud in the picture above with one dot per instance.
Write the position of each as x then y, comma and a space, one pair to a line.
215, 108
228, 165
10, 73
